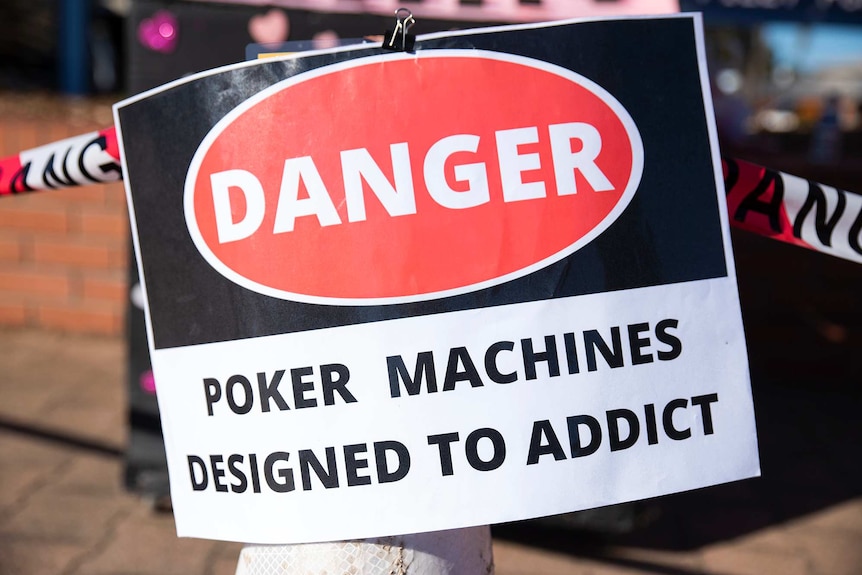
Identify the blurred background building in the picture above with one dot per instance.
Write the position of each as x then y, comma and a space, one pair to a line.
787, 84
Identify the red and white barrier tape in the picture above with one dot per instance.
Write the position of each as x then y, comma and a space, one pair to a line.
794, 210
763, 201
78, 161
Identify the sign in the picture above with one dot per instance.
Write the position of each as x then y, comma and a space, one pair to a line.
418, 139
486, 281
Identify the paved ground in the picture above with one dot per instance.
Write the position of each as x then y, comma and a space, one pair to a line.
63, 510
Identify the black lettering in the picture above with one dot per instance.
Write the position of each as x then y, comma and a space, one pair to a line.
491, 362
354, 464
335, 377
424, 370
614, 417
459, 356
384, 474
65, 166
444, 442
212, 391
248, 398
651, 427
732, 177
106, 168
232, 463
255, 476
50, 177
854, 234
18, 184
706, 414
531, 358
472, 449
543, 429
637, 343
613, 357
308, 460
770, 208
300, 387
592, 423
571, 353
669, 339
667, 419
269, 391
218, 473
285, 474
196, 462
822, 226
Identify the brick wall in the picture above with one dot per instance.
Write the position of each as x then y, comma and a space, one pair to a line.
63, 254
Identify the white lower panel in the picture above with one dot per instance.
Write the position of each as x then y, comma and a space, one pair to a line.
645, 392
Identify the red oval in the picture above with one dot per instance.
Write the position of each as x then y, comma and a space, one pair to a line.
419, 99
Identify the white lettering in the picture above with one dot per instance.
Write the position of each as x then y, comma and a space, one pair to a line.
290, 206
435, 177
574, 148
584, 160
513, 164
255, 206
399, 200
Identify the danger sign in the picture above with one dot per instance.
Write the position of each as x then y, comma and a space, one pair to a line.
465, 179
485, 281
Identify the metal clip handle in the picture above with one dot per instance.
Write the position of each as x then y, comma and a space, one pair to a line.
399, 39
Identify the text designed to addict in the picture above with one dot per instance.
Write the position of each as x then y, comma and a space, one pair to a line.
483, 450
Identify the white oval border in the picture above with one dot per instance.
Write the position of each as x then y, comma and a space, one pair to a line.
215, 132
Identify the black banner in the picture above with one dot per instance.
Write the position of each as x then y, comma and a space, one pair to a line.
669, 232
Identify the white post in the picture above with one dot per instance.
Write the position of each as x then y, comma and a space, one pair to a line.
454, 552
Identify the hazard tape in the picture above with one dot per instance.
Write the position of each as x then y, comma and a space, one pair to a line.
793, 210
767, 202
78, 161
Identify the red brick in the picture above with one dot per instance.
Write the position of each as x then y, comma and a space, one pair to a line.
103, 224
13, 314
10, 248
109, 288
56, 131
33, 132
30, 283
37, 220
19, 136
78, 197
115, 195
76, 253
92, 318
37, 133
94, 194
120, 256
36, 200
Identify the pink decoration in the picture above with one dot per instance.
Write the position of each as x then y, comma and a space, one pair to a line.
269, 28
160, 32
148, 382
